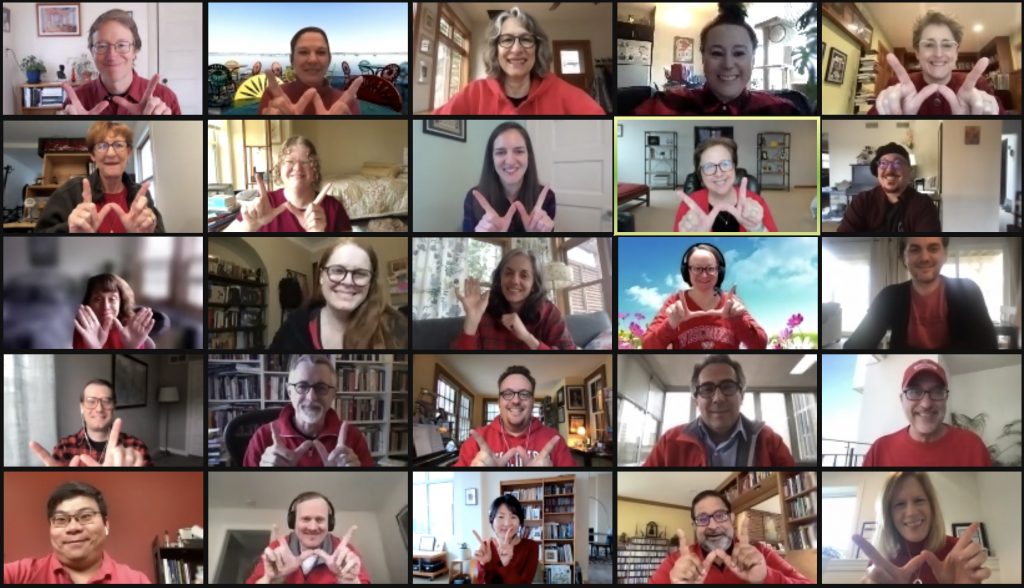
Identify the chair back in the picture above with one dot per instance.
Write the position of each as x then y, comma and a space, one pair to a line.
238, 432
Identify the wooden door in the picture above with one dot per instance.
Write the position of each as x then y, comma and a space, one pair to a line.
573, 63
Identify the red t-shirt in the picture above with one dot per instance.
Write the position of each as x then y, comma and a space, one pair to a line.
913, 549
703, 332
957, 448
112, 222
702, 199
113, 340
49, 570
520, 569
927, 327
290, 221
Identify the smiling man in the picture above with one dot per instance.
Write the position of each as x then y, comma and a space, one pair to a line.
930, 311
928, 441
308, 432
78, 531
720, 436
893, 206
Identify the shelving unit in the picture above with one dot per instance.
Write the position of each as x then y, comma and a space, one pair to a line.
177, 565
58, 168
773, 161
429, 564
550, 505
867, 86
661, 159
236, 314
638, 558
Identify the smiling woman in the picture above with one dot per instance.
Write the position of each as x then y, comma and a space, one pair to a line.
310, 93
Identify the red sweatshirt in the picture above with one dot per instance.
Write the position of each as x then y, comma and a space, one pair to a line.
320, 574
536, 437
292, 438
703, 332
549, 329
113, 340
520, 569
680, 447
701, 198
549, 95
779, 570
957, 448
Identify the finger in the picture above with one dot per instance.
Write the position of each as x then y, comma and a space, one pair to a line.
115, 432
691, 204
897, 68
115, 457
343, 435
548, 448
972, 78
508, 536
925, 557
877, 558
272, 86
482, 200
323, 194
517, 207
540, 201
76, 461
274, 535
478, 537
277, 211
743, 527
742, 191
480, 441
708, 561
150, 88
141, 202
914, 104
684, 543
347, 538
88, 460
352, 92
302, 449
86, 191
43, 455
967, 537
322, 452
262, 186
72, 96
952, 99
309, 96
99, 108
511, 454
275, 437
127, 218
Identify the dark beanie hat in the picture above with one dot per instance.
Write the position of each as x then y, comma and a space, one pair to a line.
887, 149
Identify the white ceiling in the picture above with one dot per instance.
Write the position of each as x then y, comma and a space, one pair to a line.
896, 19
965, 364
316, 244
761, 370
677, 488
358, 491
480, 372
567, 11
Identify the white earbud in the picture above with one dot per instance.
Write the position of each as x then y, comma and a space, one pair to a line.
106, 530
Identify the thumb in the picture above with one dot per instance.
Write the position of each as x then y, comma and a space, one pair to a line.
343, 435
277, 211
320, 449
323, 194
275, 437
549, 447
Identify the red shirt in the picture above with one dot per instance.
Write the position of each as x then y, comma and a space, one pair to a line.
549, 329
957, 448
549, 95
936, 105
292, 438
702, 198
291, 222
680, 100
928, 326
295, 90
779, 570
520, 569
72, 445
703, 332
113, 340
93, 92
49, 570
112, 223
913, 549
320, 574
535, 438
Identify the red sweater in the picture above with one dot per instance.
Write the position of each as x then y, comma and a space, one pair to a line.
957, 448
701, 198
678, 447
520, 569
113, 340
703, 332
549, 329
320, 574
549, 95
936, 105
295, 90
779, 570
292, 438
291, 222
536, 437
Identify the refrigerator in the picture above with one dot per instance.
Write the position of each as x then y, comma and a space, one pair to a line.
633, 64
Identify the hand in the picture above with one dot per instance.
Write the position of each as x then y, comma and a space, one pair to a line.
137, 329
689, 569
747, 211
883, 571
902, 98
92, 330
474, 302
485, 457
492, 222
514, 323
149, 105
314, 219
345, 104
678, 313
968, 99
343, 563
543, 459
696, 220
505, 548
278, 454
963, 564
341, 456
281, 104
538, 221
140, 218
75, 105
115, 455
483, 553
280, 562
44, 455
258, 211
746, 561
733, 307
84, 218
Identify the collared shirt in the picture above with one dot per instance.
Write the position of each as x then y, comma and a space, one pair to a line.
49, 570
78, 444
680, 100
723, 454
92, 93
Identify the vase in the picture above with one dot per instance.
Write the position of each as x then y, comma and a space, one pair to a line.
33, 76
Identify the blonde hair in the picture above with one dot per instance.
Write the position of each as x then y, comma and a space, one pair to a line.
289, 145
888, 539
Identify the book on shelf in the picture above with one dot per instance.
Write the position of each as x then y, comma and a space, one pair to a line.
804, 537
233, 340
359, 409
523, 494
558, 574
558, 530
399, 441
361, 378
564, 488
802, 506
558, 504
801, 481
224, 382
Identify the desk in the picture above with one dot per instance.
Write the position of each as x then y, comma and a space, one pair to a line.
600, 546
429, 564
593, 457
20, 227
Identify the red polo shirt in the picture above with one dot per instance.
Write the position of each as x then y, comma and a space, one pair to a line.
93, 92
49, 570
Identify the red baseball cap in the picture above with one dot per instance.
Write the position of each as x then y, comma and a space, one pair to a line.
923, 366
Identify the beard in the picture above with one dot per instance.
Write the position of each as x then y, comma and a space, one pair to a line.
713, 542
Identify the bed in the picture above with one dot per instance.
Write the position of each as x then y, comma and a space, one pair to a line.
628, 192
375, 197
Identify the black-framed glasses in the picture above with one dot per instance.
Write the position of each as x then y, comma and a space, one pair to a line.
119, 146
510, 394
703, 520
123, 47
710, 270
728, 388
63, 519
92, 402
338, 273
709, 168
933, 393
319, 389
526, 41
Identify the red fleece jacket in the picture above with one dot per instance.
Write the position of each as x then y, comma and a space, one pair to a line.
779, 570
549, 95
679, 448
292, 438
703, 332
533, 440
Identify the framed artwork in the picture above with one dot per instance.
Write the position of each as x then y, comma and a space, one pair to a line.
575, 422
404, 521
560, 397
471, 497
980, 537
425, 45
561, 414
131, 381
682, 50
454, 129
7, 19
576, 398
701, 134
867, 531
836, 67
423, 69
619, 129
58, 20
426, 543
972, 135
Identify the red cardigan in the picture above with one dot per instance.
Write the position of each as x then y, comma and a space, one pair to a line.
779, 570
520, 569
703, 332
701, 198
549, 95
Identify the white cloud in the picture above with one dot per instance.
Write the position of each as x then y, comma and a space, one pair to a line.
646, 296
780, 263
675, 281
647, 280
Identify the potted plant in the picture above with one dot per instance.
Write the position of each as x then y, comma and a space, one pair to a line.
33, 68
83, 67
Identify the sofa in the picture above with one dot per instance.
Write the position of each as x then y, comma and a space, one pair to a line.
589, 331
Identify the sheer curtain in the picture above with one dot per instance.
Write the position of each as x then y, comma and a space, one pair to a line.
30, 409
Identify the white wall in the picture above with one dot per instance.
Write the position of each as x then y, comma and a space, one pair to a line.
847, 138
999, 495
178, 187
970, 196
995, 392
391, 537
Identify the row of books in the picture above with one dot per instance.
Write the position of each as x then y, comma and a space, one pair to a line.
558, 553
523, 494
361, 379
227, 318
558, 530
804, 537
532, 513
800, 482
558, 574
558, 505
232, 386
42, 97
399, 441
803, 506
235, 340
866, 76
638, 557
565, 488
359, 409
235, 294
177, 571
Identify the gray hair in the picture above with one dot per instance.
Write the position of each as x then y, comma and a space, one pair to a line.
315, 360
542, 50
713, 359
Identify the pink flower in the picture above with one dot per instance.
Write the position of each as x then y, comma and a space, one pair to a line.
623, 316
639, 316
786, 333
636, 330
624, 344
795, 320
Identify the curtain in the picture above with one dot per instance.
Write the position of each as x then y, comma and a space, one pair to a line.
30, 407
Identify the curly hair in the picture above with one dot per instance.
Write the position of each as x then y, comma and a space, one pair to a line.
289, 145
933, 17
498, 305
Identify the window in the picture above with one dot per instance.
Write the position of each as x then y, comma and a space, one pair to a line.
839, 506
584, 258
157, 256
445, 397
678, 406
456, 402
144, 164
213, 153
432, 503
638, 432
491, 410
465, 409
570, 60
845, 280
452, 57
982, 266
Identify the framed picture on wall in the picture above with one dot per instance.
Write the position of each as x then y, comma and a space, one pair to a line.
701, 134
682, 50
131, 381
58, 20
577, 400
454, 129
836, 67
979, 537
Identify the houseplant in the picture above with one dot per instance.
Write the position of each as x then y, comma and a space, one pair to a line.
83, 67
33, 68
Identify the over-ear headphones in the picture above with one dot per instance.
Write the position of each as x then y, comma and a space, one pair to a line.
308, 496
684, 267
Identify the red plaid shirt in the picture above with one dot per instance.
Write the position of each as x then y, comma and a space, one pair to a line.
684, 101
549, 329
77, 444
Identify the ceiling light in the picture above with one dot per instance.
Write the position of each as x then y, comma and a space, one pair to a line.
805, 362
978, 28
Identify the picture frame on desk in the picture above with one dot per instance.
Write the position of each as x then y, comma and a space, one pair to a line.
426, 543
980, 537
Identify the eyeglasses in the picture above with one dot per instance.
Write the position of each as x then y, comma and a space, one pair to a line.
894, 164
320, 389
931, 46
728, 388
337, 274
709, 168
295, 162
118, 146
710, 270
84, 517
703, 520
510, 394
92, 402
122, 47
934, 393
526, 41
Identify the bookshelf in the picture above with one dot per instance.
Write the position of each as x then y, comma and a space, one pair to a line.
236, 306
661, 159
58, 168
868, 84
773, 161
550, 505
638, 557
42, 97
178, 565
